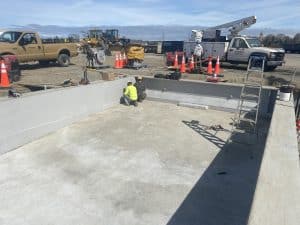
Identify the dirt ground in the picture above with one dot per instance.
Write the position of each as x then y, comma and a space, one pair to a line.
54, 76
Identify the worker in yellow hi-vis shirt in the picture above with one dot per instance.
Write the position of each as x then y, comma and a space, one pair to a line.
130, 94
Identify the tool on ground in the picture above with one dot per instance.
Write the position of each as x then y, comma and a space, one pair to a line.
13, 93
171, 76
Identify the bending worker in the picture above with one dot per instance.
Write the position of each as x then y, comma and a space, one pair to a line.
141, 88
130, 94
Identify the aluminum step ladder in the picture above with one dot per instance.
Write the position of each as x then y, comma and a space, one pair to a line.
247, 113
198, 62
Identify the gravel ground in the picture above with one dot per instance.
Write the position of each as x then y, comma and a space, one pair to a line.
34, 74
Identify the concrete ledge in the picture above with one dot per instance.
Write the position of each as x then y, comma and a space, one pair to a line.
30, 117
220, 96
277, 195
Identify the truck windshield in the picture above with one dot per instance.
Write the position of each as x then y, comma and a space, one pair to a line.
10, 36
254, 42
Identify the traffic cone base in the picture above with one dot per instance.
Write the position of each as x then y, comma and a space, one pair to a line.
212, 79
4, 80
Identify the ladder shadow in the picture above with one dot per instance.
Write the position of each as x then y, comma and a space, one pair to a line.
200, 129
224, 193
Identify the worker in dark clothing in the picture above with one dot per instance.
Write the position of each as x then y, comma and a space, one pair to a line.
130, 95
141, 88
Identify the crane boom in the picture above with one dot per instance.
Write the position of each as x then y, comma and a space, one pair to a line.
236, 26
214, 33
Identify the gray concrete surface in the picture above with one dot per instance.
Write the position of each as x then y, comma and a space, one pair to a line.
33, 115
132, 165
277, 194
219, 96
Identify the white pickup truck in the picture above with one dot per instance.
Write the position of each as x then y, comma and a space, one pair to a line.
238, 51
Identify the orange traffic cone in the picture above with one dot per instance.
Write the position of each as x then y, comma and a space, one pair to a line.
4, 81
182, 67
209, 67
124, 59
217, 67
121, 61
192, 64
117, 62
176, 61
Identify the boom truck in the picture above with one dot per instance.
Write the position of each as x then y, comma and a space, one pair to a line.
233, 48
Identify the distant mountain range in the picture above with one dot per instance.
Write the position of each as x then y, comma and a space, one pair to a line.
150, 33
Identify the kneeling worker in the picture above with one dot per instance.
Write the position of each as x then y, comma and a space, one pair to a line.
130, 94
141, 88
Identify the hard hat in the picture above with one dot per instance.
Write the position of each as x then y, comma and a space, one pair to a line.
139, 78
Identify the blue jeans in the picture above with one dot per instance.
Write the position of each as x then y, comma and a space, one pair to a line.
128, 101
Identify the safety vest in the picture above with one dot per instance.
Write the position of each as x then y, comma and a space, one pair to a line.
131, 92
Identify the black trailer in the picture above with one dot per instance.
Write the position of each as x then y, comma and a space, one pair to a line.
292, 48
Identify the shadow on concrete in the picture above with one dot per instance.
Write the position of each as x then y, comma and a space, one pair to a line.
224, 193
202, 130
276, 81
39, 66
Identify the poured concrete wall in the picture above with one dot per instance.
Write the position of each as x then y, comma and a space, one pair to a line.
277, 195
220, 96
32, 116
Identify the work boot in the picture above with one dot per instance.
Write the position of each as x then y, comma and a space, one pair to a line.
135, 103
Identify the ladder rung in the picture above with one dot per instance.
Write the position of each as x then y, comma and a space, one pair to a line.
248, 110
247, 120
249, 107
254, 70
244, 95
243, 131
252, 85
238, 130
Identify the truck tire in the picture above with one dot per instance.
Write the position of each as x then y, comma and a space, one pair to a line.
63, 60
260, 55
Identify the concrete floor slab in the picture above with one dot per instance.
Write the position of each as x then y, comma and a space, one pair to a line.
131, 165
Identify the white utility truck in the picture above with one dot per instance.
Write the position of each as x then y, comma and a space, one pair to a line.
233, 48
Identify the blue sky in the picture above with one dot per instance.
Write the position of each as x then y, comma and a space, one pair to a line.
270, 13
